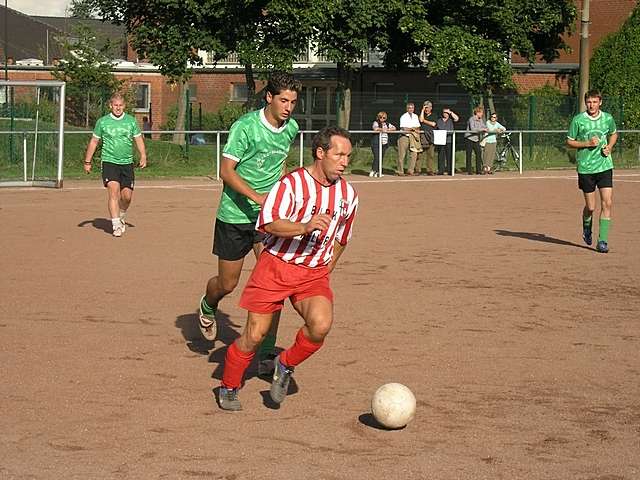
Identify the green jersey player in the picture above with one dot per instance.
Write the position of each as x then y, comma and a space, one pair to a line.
253, 161
117, 131
594, 134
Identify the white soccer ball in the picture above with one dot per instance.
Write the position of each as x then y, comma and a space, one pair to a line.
393, 405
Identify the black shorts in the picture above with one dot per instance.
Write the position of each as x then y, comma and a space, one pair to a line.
123, 174
232, 241
587, 182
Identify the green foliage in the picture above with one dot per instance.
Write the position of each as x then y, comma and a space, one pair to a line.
220, 120
86, 68
545, 108
473, 38
615, 68
82, 9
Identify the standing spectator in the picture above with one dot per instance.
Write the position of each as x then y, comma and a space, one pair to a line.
428, 122
146, 127
594, 134
409, 123
494, 128
445, 154
379, 125
308, 217
475, 130
117, 131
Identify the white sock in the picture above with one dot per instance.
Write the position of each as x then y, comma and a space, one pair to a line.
115, 223
123, 214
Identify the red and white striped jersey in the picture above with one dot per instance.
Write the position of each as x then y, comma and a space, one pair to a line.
297, 197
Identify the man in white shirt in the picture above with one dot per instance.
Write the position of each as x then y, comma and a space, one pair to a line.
409, 123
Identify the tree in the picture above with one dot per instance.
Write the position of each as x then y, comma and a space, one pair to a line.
615, 68
86, 68
82, 9
170, 34
344, 30
474, 38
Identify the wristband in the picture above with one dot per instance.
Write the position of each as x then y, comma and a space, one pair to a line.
87, 163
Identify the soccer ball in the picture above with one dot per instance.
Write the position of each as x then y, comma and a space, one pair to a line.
393, 405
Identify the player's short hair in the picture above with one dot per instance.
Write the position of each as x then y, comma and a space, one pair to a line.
593, 94
279, 81
116, 96
322, 139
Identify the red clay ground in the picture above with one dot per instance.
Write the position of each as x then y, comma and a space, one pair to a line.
521, 345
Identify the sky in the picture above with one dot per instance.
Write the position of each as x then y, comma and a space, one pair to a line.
48, 8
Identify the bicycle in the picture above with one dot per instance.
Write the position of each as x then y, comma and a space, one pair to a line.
503, 154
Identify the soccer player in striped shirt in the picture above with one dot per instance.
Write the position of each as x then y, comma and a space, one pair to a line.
253, 160
308, 218
594, 134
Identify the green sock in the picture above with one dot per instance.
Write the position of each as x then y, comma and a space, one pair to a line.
267, 346
205, 307
603, 233
587, 221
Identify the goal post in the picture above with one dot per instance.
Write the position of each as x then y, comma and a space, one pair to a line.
32, 115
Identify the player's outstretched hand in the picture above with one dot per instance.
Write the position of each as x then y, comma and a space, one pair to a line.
318, 222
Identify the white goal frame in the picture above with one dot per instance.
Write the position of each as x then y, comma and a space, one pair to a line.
57, 182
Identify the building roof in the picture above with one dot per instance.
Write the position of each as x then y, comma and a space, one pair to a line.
27, 37
67, 25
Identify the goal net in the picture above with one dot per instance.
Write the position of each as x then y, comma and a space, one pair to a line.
31, 133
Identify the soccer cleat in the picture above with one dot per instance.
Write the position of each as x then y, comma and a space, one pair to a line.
266, 365
586, 235
118, 231
372, 173
207, 323
281, 378
228, 399
602, 247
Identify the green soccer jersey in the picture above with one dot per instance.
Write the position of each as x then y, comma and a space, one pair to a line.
117, 137
260, 150
582, 128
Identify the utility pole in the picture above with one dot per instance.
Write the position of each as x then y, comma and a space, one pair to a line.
584, 55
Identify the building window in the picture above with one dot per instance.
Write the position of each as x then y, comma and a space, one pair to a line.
143, 98
193, 92
384, 92
239, 92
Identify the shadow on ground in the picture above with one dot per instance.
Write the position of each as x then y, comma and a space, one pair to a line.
103, 224
539, 237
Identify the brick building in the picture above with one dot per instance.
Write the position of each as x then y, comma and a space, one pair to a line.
374, 88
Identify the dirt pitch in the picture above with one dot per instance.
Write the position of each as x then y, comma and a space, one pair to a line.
521, 345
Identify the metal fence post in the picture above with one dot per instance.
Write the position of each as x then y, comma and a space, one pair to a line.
301, 148
453, 153
218, 156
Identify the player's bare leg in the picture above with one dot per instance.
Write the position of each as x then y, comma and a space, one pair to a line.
317, 313
587, 217
267, 350
113, 190
126, 194
224, 283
